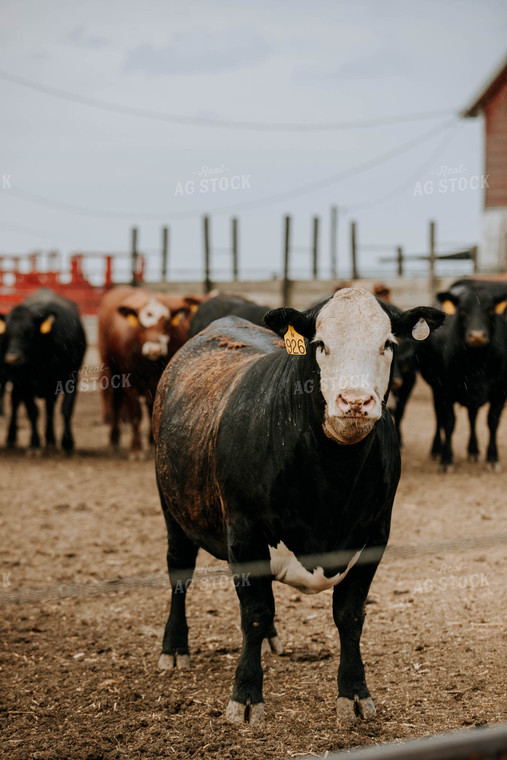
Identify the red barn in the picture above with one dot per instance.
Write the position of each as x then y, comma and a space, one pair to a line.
492, 103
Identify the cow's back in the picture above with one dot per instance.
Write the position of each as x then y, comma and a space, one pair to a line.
222, 306
191, 398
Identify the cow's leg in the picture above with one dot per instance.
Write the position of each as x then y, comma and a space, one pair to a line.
2, 396
272, 642
69, 399
494, 414
149, 406
257, 606
107, 391
181, 555
116, 405
448, 422
436, 447
134, 414
401, 401
473, 447
33, 414
12, 433
50, 431
349, 599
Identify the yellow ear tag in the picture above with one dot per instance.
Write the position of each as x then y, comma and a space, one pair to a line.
448, 307
47, 325
2, 327
294, 342
499, 308
176, 319
194, 308
132, 320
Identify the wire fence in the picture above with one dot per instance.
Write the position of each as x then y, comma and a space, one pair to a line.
248, 570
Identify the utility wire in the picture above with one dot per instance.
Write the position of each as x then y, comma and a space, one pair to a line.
414, 177
216, 123
246, 205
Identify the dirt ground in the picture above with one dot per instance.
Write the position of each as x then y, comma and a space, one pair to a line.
79, 675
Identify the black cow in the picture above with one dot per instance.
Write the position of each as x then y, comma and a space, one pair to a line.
44, 345
3, 371
466, 363
256, 472
225, 306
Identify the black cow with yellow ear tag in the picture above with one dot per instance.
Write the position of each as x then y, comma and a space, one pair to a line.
43, 343
465, 362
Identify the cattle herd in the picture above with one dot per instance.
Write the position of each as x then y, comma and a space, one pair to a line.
276, 433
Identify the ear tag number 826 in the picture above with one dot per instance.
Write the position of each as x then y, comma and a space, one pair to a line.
294, 342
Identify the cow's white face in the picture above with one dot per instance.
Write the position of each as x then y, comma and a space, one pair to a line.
354, 353
152, 313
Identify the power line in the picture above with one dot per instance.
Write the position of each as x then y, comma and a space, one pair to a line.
216, 123
416, 175
246, 205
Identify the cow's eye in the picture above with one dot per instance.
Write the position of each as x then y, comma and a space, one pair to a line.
388, 346
320, 345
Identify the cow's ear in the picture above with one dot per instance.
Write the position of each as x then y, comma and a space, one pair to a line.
2, 324
193, 302
46, 325
279, 320
449, 299
130, 315
417, 323
500, 303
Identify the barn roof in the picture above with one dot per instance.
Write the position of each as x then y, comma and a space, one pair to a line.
495, 82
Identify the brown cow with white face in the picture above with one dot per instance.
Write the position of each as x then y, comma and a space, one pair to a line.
139, 331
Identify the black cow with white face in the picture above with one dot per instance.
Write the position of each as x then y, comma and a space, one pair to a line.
466, 363
43, 347
256, 472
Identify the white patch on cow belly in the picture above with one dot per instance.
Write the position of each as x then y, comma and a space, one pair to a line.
286, 568
150, 314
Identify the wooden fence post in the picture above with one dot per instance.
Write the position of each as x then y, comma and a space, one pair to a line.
315, 248
134, 256
432, 258
334, 242
353, 250
207, 277
286, 256
165, 252
399, 257
235, 269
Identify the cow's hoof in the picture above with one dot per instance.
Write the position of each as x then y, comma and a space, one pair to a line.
473, 457
446, 469
273, 645
495, 466
34, 453
348, 710
171, 661
136, 456
365, 708
238, 713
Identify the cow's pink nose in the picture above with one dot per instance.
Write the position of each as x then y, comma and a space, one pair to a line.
476, 338
356, 405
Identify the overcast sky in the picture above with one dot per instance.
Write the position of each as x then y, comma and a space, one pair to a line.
277, 62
